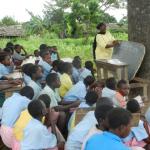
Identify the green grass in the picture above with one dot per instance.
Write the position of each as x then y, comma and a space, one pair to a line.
67, 47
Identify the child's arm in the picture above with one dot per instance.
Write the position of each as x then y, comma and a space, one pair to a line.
67, 107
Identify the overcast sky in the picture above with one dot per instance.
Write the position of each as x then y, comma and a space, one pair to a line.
17, 9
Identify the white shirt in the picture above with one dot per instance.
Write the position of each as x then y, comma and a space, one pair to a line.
36, 88
37, 137
12, 108
77, 92
81, 129
106, 92
18, 56
3, 70
46, 67
54, 95
84, 73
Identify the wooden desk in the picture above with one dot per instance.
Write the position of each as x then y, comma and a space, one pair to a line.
15, 75
8, 89
105, 69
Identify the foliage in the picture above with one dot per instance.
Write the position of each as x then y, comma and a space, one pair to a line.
72, 18
7, 21
67, 47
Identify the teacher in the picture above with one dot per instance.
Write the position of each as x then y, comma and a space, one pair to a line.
103, 43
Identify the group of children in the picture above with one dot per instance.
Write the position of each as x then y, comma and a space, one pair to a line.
43, 114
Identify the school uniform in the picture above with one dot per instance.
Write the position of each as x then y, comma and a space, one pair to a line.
18, 56
53, 94
36, 88
106, 141
37, 137
66, 84
76, 136
26, 79
46, 68
4, 70
106, 92
71, 123
84, 73
75, 75
77, 92
11, 110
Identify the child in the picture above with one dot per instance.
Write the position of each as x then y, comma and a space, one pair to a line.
25, 118
76, 69
55, 66
35, 130
37, 56
85, 71
54, 53
79, 132
110, 88
17, 56
65, 78
5, 63
138, 134
119, 121
36, 73
45, 62
90, 101
52, 83
122, 92
79, 90
101, 112
11, 110
26, 73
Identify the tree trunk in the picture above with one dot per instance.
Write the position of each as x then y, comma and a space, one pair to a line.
139, 30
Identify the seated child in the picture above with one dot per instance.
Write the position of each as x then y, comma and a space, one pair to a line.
35, 130
18, 57
138, 134
54, 53
122, 93
79, 132
25, 118
5, 65
45, 62
119, 122
37, 56
11, 110
55, 66
36, 73
26, 73
65, 79
110, 88
90, 101
79, 90
86, 71
101, 112
76, 69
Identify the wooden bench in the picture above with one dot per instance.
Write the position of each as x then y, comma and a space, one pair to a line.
80, 113
135, 119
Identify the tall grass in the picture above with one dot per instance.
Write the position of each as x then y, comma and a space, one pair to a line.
67, 47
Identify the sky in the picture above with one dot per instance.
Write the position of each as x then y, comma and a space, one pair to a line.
17, 9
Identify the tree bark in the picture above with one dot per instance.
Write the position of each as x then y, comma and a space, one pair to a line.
139, 30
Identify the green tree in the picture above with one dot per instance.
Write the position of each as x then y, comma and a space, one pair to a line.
7, 21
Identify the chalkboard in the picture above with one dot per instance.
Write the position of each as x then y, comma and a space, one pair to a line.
131, 53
